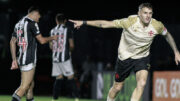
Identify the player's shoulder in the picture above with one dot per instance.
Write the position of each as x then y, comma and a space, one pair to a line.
130, 20
16, 25
29, 20
31, 23
157, 24
53, 29
20, 23
133, 18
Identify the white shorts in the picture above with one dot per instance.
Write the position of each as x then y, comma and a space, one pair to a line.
27, 67
62, 68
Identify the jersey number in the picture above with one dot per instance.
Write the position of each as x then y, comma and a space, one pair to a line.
21, 40
58, 45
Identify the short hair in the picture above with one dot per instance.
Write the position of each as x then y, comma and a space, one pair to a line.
148, 5
33, 8
60, 17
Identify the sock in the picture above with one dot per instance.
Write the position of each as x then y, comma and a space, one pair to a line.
73, 88
57, 88
110, 99
32, 99
15, 97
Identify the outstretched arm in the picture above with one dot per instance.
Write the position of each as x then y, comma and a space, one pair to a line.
44, 40
171, 41
14, 64
95, 23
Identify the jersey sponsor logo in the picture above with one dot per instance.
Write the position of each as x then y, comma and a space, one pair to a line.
166, 86
151, 33
117, 76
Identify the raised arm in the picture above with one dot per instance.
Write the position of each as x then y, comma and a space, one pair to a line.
95, 23
171, 42
14, 64
44, 40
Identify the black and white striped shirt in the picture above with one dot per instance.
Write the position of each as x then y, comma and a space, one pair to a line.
25, 31
60, 49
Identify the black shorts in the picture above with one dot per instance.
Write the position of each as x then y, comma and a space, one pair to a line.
124, 68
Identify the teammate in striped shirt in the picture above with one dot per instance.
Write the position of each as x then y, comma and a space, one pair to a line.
25, 33
133, 52
62, 65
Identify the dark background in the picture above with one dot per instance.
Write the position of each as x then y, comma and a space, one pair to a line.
98, 44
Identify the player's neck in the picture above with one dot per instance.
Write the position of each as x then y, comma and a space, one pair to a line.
30, 16
144, 24
60, 23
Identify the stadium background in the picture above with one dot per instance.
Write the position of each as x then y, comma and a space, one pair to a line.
97, 46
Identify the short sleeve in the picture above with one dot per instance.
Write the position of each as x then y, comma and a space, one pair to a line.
119, 23
125, 22
35, 29
160, 28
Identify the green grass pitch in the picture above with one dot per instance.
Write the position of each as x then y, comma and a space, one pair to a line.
41, 98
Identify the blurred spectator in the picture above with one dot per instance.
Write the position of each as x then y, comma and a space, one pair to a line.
85, 80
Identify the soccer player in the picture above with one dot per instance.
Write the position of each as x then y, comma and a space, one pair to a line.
133, 52
62, 65
25, 33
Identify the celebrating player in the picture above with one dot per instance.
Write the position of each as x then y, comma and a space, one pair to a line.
133, 52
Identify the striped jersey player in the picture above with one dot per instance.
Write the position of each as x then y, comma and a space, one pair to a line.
60, 47
61, 50
25, 36
25, 31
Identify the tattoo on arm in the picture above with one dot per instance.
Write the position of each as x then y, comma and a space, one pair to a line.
100, 25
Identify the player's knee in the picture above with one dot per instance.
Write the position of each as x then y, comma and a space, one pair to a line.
117, 88
141, 83
24, 87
